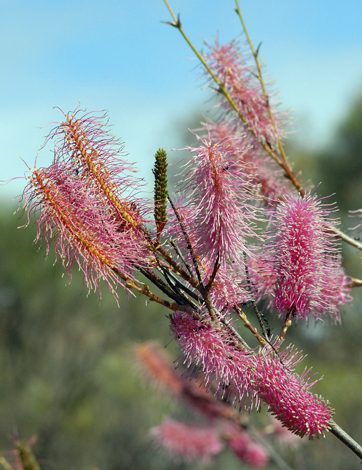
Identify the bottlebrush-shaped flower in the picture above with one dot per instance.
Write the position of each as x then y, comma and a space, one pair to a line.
247, 450
302, 250
157, 367
238, 76
208, 347
267, 178
188, 442
81, 227
287, 394
228, 287
263, 375
219, 195
85, 142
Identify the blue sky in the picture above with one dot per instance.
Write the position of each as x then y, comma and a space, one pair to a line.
117, 55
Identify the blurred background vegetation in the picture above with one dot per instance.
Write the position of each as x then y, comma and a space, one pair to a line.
66, 362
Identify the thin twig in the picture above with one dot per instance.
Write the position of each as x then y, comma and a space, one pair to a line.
250, 327
221, 88
180, 255
346, 439
144, 289
188, 242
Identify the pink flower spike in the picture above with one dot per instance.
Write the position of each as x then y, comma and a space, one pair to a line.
188, 442
236, 71
209, 348
287, 395
80, 227
85, 142
247, 450
267, 178
220, 195
156, 367
301, 247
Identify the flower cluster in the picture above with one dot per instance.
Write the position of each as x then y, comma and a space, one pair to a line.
208, 253
257, 375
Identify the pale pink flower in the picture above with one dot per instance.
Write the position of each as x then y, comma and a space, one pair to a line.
237, 73
267, 178
219, 197
97, 158
247, 450
79, 227
228, 288
188, 442
85, 207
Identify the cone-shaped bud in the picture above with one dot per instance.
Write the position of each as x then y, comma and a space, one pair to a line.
160, 173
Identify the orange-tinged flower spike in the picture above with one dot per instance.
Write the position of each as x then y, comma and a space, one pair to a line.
81, 227
86, 143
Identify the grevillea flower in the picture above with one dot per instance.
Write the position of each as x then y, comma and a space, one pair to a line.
219, 202
259, 375
247, 450
238, 76
82, 212
209, 348
156, 366
228, 287
95, 155
305, 256
287, 394
188, 442
267, 178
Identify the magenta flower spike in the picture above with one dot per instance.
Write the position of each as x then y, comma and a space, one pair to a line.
247, 377
302, 250
208, 347
287, 394
267, 178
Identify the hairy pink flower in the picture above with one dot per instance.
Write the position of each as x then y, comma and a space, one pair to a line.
228, 288
208, 347
241, 374
85, 207
188, 442
302, 250
84, 141
267, 178
219, 203
238, 75
80, 229
287, 394
247, 450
